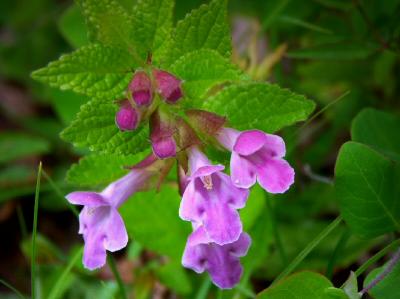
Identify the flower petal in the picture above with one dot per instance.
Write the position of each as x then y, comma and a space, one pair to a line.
188, 210
275, 145
207, 170
221, 222
94, 253
234, 196
276, 176
243, 172
86, 198
116, 235
241, 246
248, 142
227, 137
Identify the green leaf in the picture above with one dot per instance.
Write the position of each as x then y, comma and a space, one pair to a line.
203, 69
152, 24
204, 28
300, 285
110, 24
379, 130
72, 27
152, 219
93, 70
259, 106
388, 288
94, 127
66, 104
101, 169
367, 188
337, 51
15, 146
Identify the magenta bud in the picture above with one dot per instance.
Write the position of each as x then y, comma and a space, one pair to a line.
127, 117
162, 136
168, 86
141, 89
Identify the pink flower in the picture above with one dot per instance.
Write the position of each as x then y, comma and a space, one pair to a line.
162, 135
127, 117
99, 221
220, 261
168, 86
257, 156
210, 199
141, 89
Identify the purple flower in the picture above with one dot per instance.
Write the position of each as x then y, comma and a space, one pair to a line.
127, 117
210, 199
141, 89
220, 261
168, 86
257, 156
99, 221
162, 135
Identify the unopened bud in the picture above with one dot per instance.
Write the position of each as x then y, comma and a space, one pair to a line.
127, 117
141, 89
168, 86
162, 136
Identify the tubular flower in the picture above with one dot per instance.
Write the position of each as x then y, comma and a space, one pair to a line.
141, 89
220, 261
162, 136
99, 221
127, 117
257, 156
210, 199
168, 86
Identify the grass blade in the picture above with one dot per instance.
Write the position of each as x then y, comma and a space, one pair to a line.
57, 286
34, 233
18, 293
303, 254
117, 277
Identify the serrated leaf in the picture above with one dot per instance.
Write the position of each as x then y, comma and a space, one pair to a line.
300, 285
110, 24
72, 27
152, 24
101, 169
379, 130
203, 69
366, 185
260, 106
204, 28
94, 127
152, 219
94, 70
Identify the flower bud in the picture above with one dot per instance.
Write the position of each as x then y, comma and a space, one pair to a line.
127, 117
206, 122
168, 86
162, 136
141, 89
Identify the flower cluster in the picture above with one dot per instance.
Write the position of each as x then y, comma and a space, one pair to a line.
210, 197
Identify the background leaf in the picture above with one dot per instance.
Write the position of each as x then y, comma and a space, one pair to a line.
379, 130
260, 106
367, 188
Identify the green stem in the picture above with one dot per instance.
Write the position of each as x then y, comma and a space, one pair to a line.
59, 192
276, 233
336, 252
34, 232
57, 286
111, 263
204, 288
18, 293
303, 254
372, 260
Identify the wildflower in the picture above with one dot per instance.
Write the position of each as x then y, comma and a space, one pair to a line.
127, 117
210, 199
99, 221
220, 261
141, 89
162, 135
168, 86
257, 156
